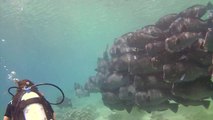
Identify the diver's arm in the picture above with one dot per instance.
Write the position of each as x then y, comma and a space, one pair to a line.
7, 115
6, 118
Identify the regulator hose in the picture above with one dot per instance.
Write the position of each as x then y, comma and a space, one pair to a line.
40, 84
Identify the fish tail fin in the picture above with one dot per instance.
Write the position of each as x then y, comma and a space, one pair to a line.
209, 6
129, 109
174, 107
206, 104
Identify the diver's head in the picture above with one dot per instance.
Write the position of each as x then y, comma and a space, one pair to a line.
24, 83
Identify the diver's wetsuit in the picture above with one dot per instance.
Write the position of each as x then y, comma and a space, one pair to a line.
9, 109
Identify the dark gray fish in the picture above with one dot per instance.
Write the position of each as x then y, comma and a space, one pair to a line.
152, 30
210, 14
66, 103
114, 81
150, 97
141, 98
182, 71
116, 64
173, 72
112, 101
139, 82
188, 102
105, 54
193, 71
123, 63
161, 107
164, 22
82, 93
156, 96
180, 42
115, 50
196, 11
188, 25
123, 39
145, 65
110, 98
92, 87
200, 58
199, 45
140, 39
145, 35
77, 86
100, 78
102, 65
155, 48
127, 92
119, 50
209, 40
199, 89
143, 83
120, 43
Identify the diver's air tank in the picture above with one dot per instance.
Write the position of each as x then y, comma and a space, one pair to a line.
34, 111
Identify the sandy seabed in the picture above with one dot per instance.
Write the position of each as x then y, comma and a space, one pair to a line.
92, 108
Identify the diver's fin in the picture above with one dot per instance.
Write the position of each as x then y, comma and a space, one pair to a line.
173, 107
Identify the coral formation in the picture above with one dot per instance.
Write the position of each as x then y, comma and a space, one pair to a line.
78, 114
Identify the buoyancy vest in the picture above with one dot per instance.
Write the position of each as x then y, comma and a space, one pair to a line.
31, 105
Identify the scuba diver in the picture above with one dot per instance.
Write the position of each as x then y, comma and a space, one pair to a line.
29, 104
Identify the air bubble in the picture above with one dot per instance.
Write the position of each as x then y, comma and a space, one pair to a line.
12, 76
3, 40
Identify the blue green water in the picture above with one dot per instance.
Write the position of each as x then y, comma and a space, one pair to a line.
60, 41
